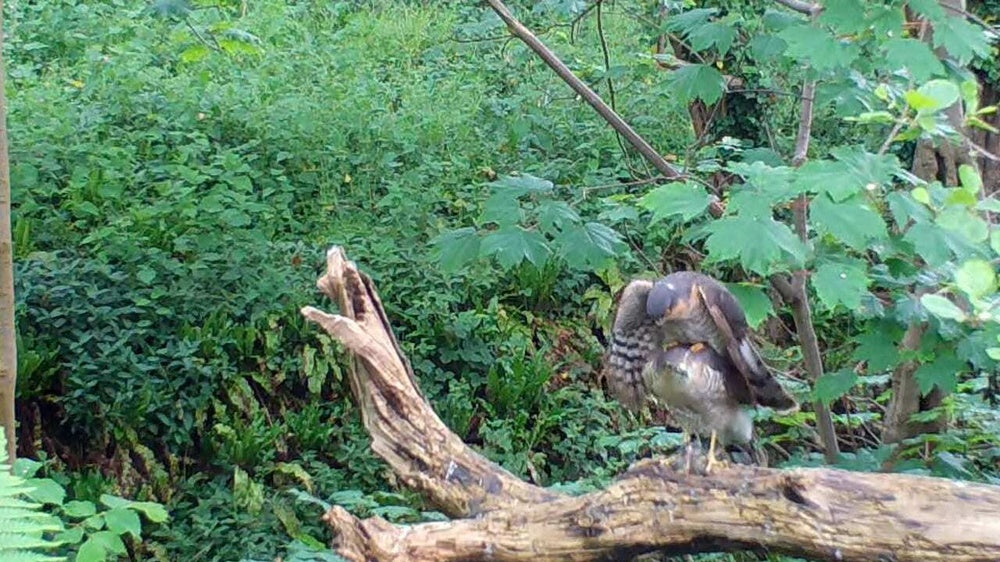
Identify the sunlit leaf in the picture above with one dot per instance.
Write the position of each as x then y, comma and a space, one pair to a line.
942, 307
977, 278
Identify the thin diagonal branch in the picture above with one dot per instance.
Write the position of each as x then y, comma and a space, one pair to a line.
807, 8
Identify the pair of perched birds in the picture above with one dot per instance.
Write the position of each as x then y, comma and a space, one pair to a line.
684, 340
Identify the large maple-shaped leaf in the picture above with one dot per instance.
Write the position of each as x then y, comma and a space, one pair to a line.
589, 245
753, 300
457, 248
713, 34
844, 281
853, 222
686, 199
698, 81
878, 346
942, 372
818, 48
760, 245
844, 16
516, 186
512, 244
963, 40
832, 386
826, 176
913, 56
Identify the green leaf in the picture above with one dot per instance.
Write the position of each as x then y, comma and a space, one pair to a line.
759, 244
686, 199
914, 56
844, 16
753, 300
46, 491
502, 209
977, 278
971, 180
122, 520
818, 48
964, 222
512, 245
689, 20
995, 241
78, 509
457, 248
714, 34
698, 81
963, 40
853, 222
764, 47
146, 275
841, 282
877, 350
930, 242
933, 96
832, 386
942, 307
905, 208
517, 186
942, 372
153, 511
930, 8
833, 178
553, 215
589, 245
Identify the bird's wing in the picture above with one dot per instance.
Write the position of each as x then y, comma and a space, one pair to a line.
735, 379
632, 344
752, 374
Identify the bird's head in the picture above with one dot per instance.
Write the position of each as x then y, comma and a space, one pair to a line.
661, 300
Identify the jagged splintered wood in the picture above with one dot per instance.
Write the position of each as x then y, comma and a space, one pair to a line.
815, 513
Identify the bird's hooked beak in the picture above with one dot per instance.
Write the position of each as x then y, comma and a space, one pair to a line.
660, 300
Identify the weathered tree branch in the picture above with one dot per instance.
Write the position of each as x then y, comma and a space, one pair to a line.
8, 345
806, 8
818, 513
591, 97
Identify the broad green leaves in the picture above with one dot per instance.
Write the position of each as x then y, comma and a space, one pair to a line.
818, 48
977, 278
524, 224
852, 222
759, 245
841, 282
942, 307
755, 302
913, 56
698, 81
832, 386
933, 96
687, 200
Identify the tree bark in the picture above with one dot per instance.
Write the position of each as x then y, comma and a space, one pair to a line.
8, 345
818, 513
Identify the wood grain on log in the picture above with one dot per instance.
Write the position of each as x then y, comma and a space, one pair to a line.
817, 513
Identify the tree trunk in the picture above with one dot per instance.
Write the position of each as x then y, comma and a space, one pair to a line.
8, 346
818, 513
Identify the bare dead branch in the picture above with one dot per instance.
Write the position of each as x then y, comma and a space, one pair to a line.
801, 7
591, 97
818, 513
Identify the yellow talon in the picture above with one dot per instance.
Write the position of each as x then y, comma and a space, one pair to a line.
697, 347
712, 462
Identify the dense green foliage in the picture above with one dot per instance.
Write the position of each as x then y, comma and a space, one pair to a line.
179, 173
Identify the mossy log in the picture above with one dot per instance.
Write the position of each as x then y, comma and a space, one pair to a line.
822, 514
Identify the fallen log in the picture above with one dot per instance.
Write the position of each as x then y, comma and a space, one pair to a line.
822, 514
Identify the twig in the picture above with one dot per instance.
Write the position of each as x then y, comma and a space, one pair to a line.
619, 124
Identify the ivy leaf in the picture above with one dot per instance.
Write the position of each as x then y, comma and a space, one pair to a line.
512, 245
942, 307
457, 248
977, 278
961, 39
589, 245
686, 199
698, 81
853, 222
818, 48
841, 282
758, 244
914, 56
942, 372
878, 351
831, 386
754, 302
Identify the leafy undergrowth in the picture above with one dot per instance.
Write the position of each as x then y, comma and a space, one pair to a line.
178, 176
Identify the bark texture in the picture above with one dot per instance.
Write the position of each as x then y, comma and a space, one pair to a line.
8, 346
816, 513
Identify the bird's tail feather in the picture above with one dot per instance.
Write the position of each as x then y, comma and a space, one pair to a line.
765, 386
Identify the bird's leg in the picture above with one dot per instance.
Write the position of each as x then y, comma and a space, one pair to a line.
712, 461
689, 451
696, 348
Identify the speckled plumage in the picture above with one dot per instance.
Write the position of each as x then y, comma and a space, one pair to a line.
650, 355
